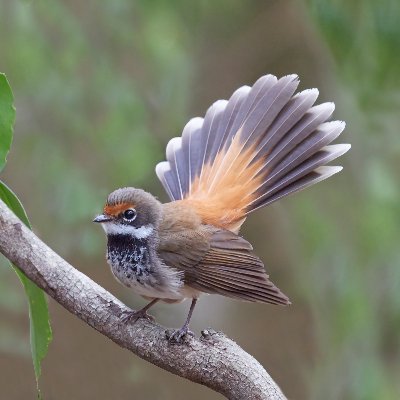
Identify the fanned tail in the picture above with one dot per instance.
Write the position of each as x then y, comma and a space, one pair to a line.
262, 144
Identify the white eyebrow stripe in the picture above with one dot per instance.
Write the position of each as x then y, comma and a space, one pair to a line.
111, 228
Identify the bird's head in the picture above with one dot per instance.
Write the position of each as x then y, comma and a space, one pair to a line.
130, 211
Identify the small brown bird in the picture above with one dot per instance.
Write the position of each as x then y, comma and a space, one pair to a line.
262, 144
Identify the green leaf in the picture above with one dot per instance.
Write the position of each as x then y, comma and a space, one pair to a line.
7, 117
13, 203
40, 330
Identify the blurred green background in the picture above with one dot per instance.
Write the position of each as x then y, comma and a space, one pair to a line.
100, 88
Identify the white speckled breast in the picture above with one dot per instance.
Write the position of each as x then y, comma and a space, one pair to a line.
132, 265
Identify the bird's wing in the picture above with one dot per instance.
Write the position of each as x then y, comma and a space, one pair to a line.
259, 146
184, 249
220, 262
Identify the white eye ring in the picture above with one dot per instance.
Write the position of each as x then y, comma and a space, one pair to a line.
130, 214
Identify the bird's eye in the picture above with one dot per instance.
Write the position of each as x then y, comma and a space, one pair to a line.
130, 214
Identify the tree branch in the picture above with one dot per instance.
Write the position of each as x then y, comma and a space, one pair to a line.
213, 360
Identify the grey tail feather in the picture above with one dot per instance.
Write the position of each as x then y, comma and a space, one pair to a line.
289, 134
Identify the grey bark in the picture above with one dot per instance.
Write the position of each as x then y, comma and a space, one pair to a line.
213, 360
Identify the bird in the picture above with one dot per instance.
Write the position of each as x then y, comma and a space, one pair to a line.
264, 143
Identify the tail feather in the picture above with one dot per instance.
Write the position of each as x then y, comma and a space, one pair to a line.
266, 101
322, 157
228, 118
190, 145
176, 161
304, 128
168, 179
315, 176
321, 137
295, 109
262, 144
210, 125
262, 86
267, 108
318, 159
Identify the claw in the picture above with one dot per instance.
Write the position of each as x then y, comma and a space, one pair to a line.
179, 335
133, 316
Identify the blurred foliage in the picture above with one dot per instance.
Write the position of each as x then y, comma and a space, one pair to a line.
359, 302
102, 86
363, 36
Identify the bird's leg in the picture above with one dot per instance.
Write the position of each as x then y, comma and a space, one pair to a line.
180, 334
133, 316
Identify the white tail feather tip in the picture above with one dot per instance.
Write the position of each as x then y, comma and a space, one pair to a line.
326, 171
193, 124
161, 168
173, 145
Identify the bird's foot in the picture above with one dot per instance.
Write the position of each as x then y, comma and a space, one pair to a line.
178, 336
133, 316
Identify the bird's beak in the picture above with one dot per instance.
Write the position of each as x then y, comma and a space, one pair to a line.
102, 218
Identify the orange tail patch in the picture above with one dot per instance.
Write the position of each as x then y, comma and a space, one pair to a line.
226, 186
